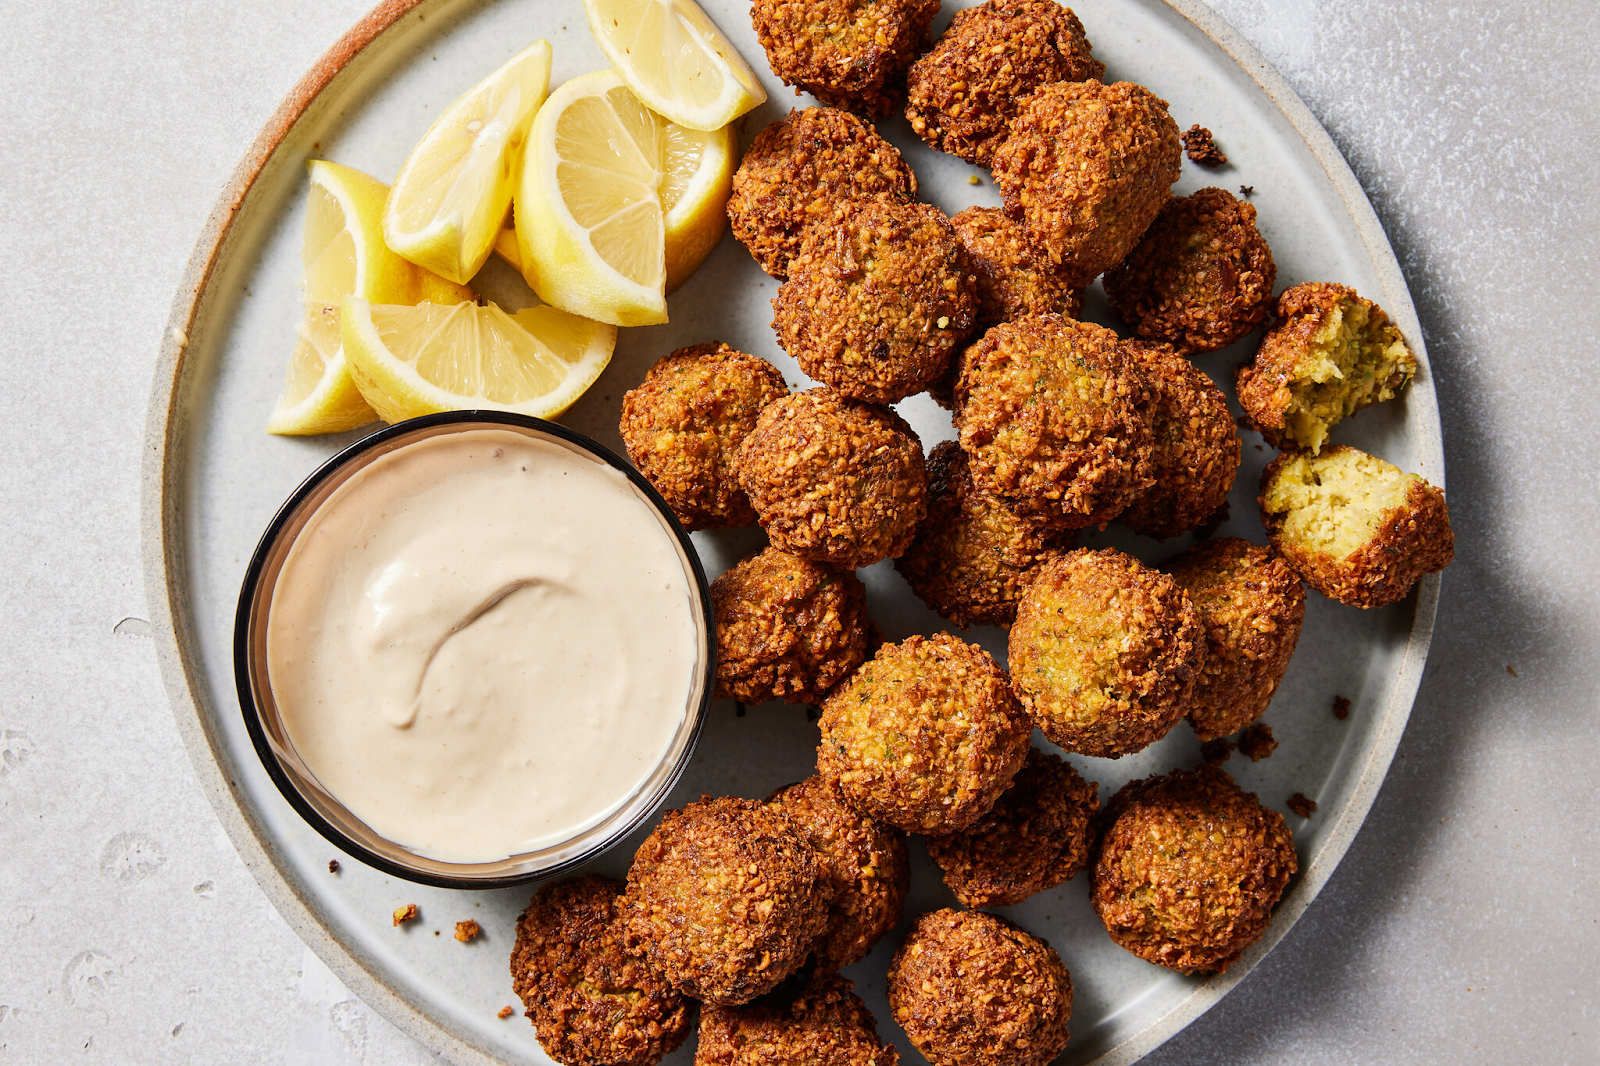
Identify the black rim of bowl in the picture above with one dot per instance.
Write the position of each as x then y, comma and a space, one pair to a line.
243, 676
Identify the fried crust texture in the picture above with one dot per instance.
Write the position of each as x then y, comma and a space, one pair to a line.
815, 1022
1013, 277
850, 54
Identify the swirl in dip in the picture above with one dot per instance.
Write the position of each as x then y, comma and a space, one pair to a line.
483, 643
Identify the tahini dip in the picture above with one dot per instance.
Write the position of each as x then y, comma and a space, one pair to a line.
482, 644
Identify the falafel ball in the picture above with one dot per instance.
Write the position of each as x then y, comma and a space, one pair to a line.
725, 899
1196, 453
877, 303
851, 54
1087, 167
1105, 652
963, 93
971, 989
1200, 278
924, 736
833, 479
1251, 606
1189, 869
1049, 415
1358, 529
592, 1002
865, 859
1013, 277
816, 1022
684, 423
787, 628
1036, 837
1330, 353
804, 169
973, 552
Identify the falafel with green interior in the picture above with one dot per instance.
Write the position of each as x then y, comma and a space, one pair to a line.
1104, 652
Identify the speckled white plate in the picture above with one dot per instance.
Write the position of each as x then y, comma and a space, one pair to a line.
213, 478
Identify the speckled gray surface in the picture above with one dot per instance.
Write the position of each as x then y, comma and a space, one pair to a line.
1464, 924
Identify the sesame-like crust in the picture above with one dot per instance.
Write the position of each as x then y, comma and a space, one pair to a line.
805, 169
1200, 278
973, 552
924, 736
725, 899
1013, 277
1189, 869
1036, 837
962, 94
1104, 652
1286, 350
684, 423
1087, 167
787, 628
1409, 541
833, 479
866, 861
850, 54
1049, 414
877, 303
1251, 605
1196, 447
971, 989
817, 1022
592, 1002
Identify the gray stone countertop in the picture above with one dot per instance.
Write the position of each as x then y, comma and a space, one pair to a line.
1463, 925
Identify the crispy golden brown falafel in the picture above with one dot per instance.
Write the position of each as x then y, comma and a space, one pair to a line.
973, 553
684, 423
1189, 869
1036, 837
924, 736
833, 479
1251, 606
1329, 354
1087, 167
866, 861
787, 628
1358, 529
1196, 452
1200, 278
971, 989
725, 899
1013, 277
591, 1001
1049, 414
815, 1022
805, 169
964, 92
851, 54
1104, 652
877, 302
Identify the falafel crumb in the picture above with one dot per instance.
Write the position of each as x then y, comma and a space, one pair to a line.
1256, 741
973, 179
1341, 708
1247, 190
1216, 751
468, 930
1199, 146
333, 866
1299, 804
404, 914
505, 1012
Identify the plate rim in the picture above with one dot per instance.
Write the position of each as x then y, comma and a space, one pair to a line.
182, 674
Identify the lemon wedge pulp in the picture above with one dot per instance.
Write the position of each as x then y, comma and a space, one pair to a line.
452, 193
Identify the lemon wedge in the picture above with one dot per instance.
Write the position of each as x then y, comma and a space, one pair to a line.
411, 360
696, 181
673, 56
451, 196
343, 253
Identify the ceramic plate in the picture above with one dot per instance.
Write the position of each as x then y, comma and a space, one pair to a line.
214, 479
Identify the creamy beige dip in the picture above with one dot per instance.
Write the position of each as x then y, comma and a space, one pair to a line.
482, 644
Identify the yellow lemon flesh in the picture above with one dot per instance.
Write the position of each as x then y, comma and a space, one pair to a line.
451, 196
